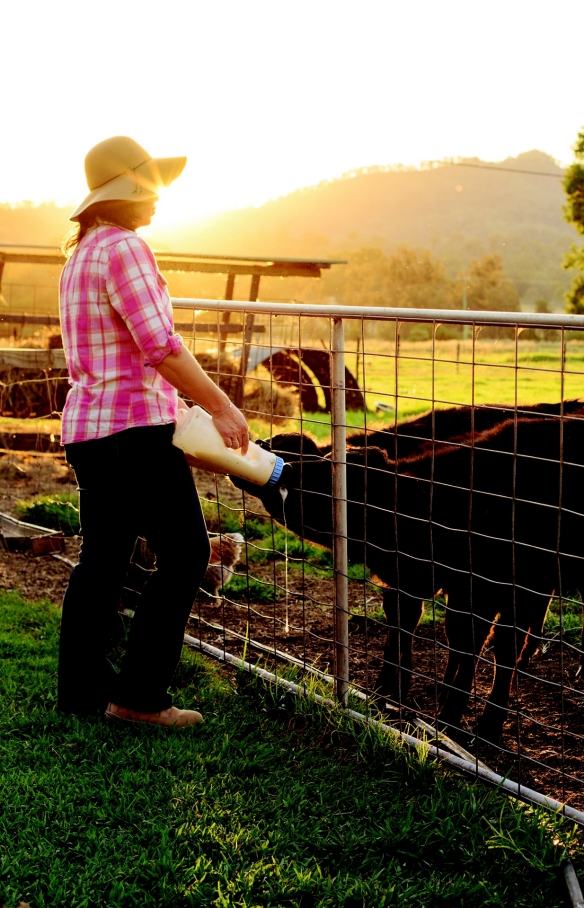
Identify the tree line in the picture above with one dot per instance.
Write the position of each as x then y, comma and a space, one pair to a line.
416, 278
574, 214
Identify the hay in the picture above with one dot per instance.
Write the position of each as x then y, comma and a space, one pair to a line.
263, 397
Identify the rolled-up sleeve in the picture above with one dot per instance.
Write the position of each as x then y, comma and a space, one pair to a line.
138, 293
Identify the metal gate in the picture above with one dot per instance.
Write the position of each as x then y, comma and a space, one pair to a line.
428, 555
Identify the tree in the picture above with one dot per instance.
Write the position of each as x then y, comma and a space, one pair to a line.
407, 278
362, 281
574, 214
418, 280
542, 307
489, 287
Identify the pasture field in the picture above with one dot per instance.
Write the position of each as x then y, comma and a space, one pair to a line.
496, 372
491, 372
272, 802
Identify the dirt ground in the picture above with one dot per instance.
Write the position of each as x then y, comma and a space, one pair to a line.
22, 476
543, 737
542, 745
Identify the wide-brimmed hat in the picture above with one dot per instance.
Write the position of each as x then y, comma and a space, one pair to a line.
120, 169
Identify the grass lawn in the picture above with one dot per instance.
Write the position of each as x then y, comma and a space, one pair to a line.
270, 803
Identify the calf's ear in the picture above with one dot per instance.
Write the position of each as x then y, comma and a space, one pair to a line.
309, 447
293, 445
373, 457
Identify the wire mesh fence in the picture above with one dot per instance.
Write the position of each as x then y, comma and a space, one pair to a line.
426, 557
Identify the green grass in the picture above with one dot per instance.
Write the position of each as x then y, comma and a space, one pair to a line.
256, 527
57, 512
433, 611
319, 424
250, 589
220, 517
30, 424
272, 802
486, 376
271, 545
565, 618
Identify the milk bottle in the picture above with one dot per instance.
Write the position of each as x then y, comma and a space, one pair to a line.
195, 434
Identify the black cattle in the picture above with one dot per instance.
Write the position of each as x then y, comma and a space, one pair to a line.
494, 519
405, 439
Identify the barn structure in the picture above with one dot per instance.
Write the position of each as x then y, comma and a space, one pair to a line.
308, 371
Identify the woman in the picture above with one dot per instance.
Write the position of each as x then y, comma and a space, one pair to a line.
125, 366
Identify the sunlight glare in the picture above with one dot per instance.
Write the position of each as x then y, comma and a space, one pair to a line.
263, 105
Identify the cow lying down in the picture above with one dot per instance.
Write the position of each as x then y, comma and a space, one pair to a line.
493, 518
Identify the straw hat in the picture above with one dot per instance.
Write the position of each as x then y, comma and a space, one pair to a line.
120, 169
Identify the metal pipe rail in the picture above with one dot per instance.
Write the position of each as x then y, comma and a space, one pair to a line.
384, 313
339, 504
514, 789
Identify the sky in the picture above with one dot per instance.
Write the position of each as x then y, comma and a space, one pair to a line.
265, 97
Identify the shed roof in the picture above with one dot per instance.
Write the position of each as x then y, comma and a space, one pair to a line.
276, 266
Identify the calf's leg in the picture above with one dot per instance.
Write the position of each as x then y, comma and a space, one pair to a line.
466, 631
402, 613
512, 645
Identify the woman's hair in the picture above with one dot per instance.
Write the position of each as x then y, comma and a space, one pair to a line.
116, 213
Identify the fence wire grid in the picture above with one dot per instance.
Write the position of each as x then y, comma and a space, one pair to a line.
428, 555
428, 560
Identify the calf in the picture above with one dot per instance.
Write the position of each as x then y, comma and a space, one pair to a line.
404, 440
494, 519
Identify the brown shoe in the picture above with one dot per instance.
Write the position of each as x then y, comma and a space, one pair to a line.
168, 718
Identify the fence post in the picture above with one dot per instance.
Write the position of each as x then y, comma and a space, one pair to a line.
339, 505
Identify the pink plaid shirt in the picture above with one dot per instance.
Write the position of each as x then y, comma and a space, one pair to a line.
116, 321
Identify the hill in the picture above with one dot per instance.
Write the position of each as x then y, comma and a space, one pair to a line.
459, 213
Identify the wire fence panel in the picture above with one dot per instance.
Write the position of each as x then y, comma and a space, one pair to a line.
447, 529
426, 559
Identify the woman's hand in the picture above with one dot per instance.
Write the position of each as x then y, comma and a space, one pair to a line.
183, 372
232, 427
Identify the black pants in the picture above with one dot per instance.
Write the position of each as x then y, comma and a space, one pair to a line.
134, 483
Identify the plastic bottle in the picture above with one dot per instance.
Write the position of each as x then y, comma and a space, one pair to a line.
195, 434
